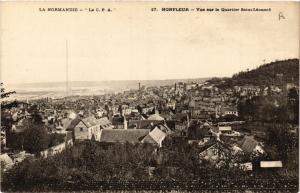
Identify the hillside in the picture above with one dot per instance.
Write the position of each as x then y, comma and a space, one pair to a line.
277, 73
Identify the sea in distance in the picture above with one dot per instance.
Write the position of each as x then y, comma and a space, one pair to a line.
55, 90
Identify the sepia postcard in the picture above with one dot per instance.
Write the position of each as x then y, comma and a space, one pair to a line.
150, 96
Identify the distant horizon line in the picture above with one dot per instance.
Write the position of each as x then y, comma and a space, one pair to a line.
170, 79
114, 80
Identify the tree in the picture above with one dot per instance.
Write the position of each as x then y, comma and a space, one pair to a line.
120, 110
4, 94
56, 139
36, 139
294, 104
6, 118
37, 118
292, 94
263, 75
281, 139
106, 109
139, 108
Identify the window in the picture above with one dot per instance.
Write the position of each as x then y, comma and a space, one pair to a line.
81, 129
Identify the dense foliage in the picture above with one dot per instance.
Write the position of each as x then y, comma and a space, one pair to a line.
278, 109
6, 120
33, 140
84, 162
5, 94
91, 161
278, 73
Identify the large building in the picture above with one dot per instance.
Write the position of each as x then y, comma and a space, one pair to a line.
89, 128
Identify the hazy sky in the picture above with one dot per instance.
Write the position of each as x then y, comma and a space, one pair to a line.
134, 43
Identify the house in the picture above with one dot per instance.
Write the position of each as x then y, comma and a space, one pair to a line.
84, 129
163, 127
127, 111
215, 153
105, 123
100, 112
143, 124
123, 136
227, 131
146, 110
271, 164
133, 136
229, 111
197, 130
246, 166
171, 104
224, 129
156, 136
290, 86
6, 161
250, 145
181, 121
155, 117
119, 122
89, 128
200, 114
